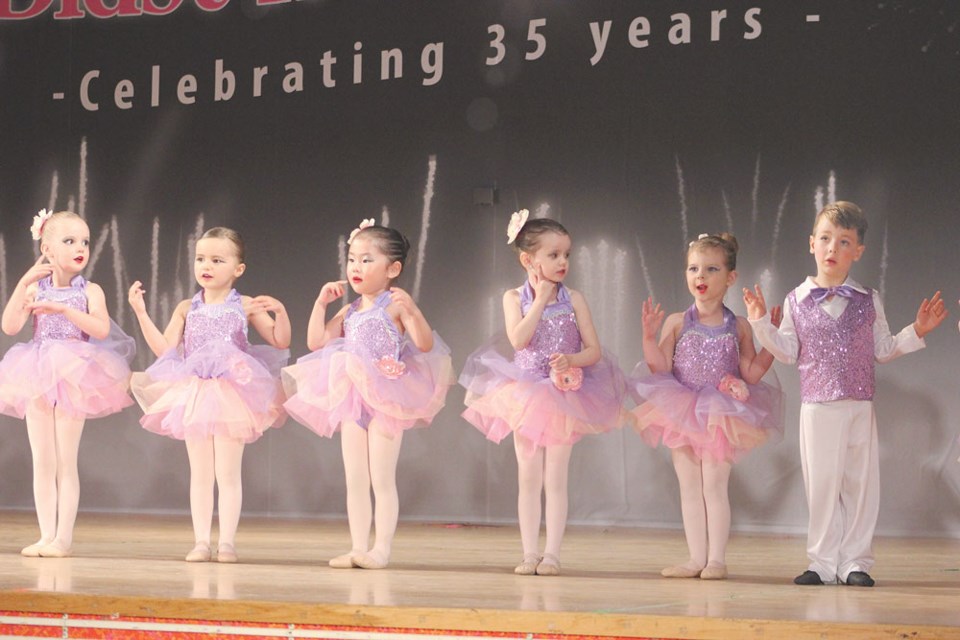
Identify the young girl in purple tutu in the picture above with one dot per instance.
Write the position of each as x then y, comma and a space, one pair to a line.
211, 388
76, 367
704, 400
546, 381
377, 369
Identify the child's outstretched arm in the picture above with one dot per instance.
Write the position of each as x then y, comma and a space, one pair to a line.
590, 352
781, 341
16, 313
411, 319
274, 329
887, 347
319, 331
95, 322
159, 342
754, 364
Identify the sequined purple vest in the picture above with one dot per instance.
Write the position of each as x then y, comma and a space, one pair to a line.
557, 332
208, 322
372, 330
56, 326
836, 355
705, 354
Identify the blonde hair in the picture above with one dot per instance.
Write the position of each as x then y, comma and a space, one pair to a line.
845, 215
725, 242
225, 233
54, 219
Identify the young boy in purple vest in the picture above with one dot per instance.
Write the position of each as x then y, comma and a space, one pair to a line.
835, 329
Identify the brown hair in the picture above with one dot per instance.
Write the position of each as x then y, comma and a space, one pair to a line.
225, 233
725, 242
528, 238
845, 215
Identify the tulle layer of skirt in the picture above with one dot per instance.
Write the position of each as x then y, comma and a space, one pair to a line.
218, 390
339, 384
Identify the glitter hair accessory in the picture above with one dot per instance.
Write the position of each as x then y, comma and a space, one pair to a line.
700, 237
517, 220
36, 229
366, 222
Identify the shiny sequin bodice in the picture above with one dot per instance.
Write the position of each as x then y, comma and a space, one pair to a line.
56, 326
557, 332
703, 355
836, 354
372, 330
225, 322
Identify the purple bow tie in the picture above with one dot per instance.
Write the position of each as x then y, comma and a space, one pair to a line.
819, 294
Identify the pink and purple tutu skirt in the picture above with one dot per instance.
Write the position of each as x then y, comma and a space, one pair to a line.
713, 424
83, 379
217, 390
502, 398
342, 383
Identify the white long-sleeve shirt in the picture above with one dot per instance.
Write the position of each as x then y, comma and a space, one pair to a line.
784, 343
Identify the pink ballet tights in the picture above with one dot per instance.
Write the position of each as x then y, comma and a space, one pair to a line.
217, 460
54, 445
705, 506
542, 470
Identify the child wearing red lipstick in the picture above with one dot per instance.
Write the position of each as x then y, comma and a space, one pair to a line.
546, 381
377, 369
836, 330
704, 400
76, 367
209, 386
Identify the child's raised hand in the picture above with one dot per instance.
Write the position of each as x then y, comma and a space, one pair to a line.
41, 307
652, 318
541, 285
776, 316
331, 291
135, 298
37, 272
403, 300
756, 305
559, 362
931, 313
264, 304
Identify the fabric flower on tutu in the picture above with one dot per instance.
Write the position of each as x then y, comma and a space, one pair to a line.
734, 387
366, 222
517, 220
569, 380
36, 229
390, 367
241, 371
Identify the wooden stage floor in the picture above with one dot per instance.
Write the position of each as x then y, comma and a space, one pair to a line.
448, 580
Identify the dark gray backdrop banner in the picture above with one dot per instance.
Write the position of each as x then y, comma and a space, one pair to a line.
638, 124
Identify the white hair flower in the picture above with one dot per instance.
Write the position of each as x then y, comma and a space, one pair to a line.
36, 229
517, 220
700, 237
366, 222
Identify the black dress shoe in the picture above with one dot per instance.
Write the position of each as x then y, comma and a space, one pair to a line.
859, 579
810, 578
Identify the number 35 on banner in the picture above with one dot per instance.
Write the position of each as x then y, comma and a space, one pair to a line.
534, 36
